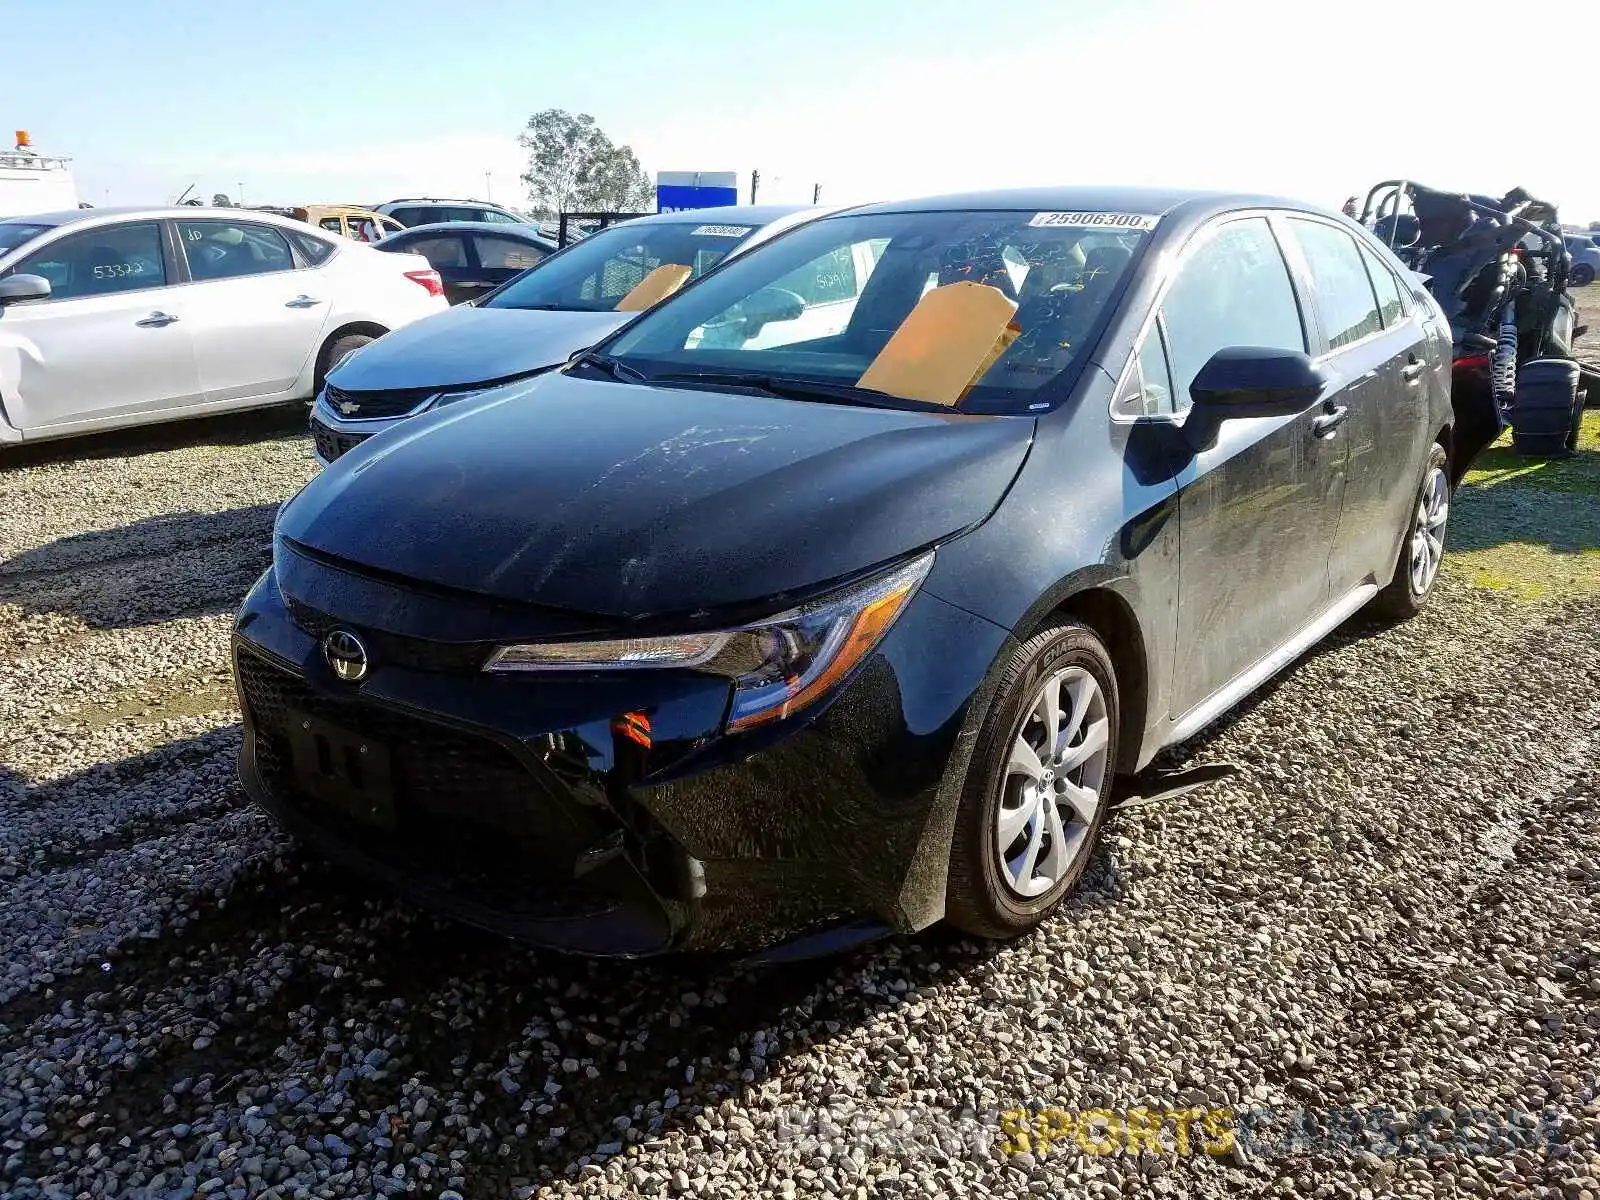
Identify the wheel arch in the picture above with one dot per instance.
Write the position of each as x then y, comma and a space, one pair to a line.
1109, 614
369, 328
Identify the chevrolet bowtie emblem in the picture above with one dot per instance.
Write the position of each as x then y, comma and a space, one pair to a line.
349, 406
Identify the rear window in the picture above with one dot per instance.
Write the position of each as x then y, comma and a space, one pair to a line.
15, 233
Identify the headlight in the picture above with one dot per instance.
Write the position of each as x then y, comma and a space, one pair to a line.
778, 666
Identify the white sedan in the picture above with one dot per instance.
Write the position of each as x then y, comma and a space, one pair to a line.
110, 318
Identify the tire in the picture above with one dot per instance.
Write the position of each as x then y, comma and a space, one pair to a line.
1582, 275
337, 351
1405, 596
982, 897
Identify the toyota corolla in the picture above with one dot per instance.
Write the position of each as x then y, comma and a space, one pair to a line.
824, 601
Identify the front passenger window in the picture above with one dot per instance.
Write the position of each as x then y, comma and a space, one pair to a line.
99, 262
1233, 291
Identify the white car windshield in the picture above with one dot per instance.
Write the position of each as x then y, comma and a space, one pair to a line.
979, 309
596, 274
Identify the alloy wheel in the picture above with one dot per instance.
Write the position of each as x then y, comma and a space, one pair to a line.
1427, 533
1054, 783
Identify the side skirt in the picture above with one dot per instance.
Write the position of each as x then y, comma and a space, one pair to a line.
1225, 697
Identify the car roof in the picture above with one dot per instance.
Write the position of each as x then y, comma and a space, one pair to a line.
526, 233
77, 216
1087, 198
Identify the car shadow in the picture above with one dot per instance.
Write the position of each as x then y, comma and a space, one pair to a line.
461, 1010
155, 569
225, 429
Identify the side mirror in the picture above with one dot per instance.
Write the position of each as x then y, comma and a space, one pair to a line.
1250, 381
1254, 381
14, 289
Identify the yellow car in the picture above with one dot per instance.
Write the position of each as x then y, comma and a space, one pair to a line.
357, 224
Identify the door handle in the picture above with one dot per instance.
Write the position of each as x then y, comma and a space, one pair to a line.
156, 320
302, 302
1328, 423
1412, 371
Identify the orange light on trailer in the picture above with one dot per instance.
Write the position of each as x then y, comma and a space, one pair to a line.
23, 140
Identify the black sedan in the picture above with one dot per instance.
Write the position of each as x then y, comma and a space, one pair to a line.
473, 257
812, 605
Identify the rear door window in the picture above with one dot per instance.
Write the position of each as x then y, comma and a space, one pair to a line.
100, 262
1234, 290
233, 249
1390, 307
505, 254
442, 251
1344, 293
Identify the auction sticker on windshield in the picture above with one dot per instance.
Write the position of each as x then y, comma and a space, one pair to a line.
1095, 220
722, 230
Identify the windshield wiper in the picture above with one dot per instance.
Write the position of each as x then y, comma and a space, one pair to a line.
796, 389
613, 367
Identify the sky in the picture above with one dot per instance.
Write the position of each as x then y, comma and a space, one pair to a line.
296, 102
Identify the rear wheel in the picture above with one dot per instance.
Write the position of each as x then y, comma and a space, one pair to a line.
1582, 275
337, 351
1038, 786
1422, 549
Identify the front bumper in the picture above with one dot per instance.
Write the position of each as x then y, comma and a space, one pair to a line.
527, 807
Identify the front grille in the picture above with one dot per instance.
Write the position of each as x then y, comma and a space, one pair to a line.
369, 406
332, 444
469, 815
417, 654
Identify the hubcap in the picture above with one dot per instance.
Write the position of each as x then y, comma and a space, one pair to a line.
1427, 533
1053, 784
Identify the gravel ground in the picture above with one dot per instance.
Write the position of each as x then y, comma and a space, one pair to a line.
1393, 904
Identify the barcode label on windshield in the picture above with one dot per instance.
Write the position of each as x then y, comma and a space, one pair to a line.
722, 230
1095, 220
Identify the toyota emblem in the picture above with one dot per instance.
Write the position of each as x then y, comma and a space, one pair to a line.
346, 655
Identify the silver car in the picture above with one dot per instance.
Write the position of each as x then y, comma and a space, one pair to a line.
1585, 258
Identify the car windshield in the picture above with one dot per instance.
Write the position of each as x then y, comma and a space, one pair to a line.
15, 233
596, 274
974, 309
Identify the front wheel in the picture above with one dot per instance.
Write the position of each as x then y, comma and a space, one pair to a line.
1422, 549
1038, 786
1582, 275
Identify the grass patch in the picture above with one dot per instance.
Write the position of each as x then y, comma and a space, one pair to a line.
1500, 466
1527, 527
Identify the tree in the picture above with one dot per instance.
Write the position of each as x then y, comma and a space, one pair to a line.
574, 167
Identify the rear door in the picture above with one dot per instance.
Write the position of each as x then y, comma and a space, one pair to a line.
257, 311
1259, 508
111, 341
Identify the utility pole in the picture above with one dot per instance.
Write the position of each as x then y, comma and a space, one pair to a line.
755, 182
241, 195
488, 188
816, 193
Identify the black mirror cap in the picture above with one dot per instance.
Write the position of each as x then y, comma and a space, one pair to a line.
17, 288
1257, 381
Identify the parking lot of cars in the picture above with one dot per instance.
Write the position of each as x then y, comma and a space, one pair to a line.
1362, 916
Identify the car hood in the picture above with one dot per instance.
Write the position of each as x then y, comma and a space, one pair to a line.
466, 345
627, 501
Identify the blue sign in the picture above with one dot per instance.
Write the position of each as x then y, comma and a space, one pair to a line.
685, 191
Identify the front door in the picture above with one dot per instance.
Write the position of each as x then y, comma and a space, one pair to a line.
257, 319
111, 341
1259, 507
